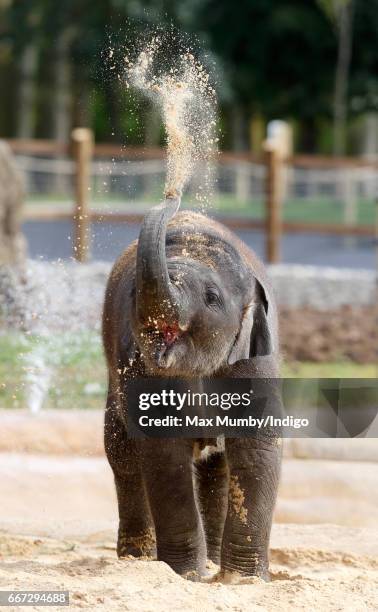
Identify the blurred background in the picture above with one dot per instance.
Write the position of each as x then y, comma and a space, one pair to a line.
311, 63
302, 73
82, 158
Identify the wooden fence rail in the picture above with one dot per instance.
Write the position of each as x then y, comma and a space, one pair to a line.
82, 149
55, 148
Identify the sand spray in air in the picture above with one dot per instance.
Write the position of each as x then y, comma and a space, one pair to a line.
187, 102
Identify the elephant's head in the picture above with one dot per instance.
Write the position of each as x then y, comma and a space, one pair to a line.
194, 314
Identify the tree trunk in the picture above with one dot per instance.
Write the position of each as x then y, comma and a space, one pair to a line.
27, 91
239, 129
113, 108
308, 134
152, 126
61, 109
81, 110
345, 32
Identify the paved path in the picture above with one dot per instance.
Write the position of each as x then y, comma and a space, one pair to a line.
53, 239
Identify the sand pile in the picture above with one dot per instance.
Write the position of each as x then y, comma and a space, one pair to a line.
312, 568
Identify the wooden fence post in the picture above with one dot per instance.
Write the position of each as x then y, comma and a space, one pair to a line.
273, 202
82, 141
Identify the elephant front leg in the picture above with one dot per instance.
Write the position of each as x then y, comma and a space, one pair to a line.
168, 474
135, 532
254, 468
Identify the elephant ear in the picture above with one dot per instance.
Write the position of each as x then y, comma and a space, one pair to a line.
258, 331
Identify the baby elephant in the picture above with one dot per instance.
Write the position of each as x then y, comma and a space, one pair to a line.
189, 299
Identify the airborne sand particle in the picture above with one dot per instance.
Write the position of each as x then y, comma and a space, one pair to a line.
187, 102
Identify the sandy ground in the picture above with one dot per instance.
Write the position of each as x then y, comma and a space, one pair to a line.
58, 529
80, 433
311, 491
333, 481
312, 568
58, 526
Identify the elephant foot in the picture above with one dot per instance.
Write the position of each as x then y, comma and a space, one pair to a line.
142, 545
214, 554
204, 575
194, 572
193, 576
232, 577
190, 564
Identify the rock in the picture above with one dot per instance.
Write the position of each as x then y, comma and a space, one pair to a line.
12, 242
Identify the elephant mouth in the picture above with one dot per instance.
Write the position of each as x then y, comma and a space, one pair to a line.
170, 333
165, 355
164, 337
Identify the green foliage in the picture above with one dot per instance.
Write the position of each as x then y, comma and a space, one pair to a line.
78, 371
76, 364
363, 89
333, 7
273, 57
284, 53
342, 369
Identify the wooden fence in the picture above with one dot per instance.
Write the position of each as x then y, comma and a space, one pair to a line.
82, 149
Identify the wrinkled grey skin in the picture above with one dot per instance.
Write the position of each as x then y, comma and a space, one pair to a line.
190, 300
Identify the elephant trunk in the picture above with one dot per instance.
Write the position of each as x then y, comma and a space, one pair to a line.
156, 295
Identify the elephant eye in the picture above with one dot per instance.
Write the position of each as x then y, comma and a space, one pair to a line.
212, 297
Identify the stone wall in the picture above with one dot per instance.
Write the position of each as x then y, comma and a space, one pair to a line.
322, 288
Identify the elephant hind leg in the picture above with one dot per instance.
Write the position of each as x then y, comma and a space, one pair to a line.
212, 492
